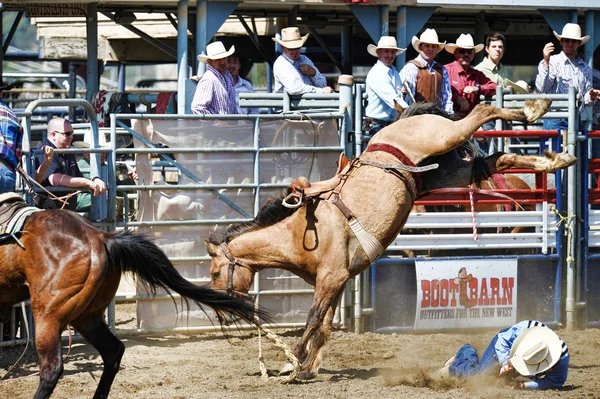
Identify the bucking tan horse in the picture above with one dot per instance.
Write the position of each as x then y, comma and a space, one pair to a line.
328, 232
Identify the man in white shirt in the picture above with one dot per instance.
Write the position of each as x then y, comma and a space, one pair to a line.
293, 71
383, 87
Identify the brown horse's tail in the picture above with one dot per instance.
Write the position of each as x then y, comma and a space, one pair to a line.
135, 253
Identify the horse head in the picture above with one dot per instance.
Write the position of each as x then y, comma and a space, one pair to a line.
227, 273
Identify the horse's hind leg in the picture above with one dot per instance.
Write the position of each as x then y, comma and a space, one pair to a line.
47, 342
111, 349
549, 162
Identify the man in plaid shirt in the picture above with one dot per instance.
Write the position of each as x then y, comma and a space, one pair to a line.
215, 93
11, 135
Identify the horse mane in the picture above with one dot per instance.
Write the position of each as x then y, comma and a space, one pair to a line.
270, 213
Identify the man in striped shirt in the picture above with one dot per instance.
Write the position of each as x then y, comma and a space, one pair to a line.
556, 73
528, 348
215, 93
11, 136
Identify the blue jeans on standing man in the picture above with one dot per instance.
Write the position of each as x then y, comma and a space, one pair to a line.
7, 178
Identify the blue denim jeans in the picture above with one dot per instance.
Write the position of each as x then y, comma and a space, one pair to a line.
556, 124
467, 362
7, 179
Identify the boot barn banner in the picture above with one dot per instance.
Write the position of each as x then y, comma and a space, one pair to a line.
458, 293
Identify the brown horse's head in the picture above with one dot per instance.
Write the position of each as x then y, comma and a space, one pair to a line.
228, 273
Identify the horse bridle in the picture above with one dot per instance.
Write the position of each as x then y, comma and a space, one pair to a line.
233, 262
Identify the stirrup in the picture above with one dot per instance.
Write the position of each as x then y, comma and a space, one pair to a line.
297, 204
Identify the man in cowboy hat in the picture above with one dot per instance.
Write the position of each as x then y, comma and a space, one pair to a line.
424, 78
384, 86
215, 93
467, 82
293, 71
556, 73
11, 136
529, 349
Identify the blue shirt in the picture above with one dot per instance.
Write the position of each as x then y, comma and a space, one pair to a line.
11, 136
383, 87
410, 73
287, 75
554, 377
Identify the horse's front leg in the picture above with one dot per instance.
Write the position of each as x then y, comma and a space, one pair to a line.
308, 351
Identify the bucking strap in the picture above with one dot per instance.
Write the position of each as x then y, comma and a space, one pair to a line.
400, 156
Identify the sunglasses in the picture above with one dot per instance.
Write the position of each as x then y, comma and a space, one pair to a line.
66, 134
464, 51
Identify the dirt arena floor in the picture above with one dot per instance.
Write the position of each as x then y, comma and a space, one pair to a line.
355, 366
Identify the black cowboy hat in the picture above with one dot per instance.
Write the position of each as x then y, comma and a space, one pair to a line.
4, 86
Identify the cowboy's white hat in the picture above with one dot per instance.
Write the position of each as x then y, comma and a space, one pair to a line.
519, 87
535, 350
429, 36
572, 31
87, 140
215, 51
290, 38
464, 41
385, 42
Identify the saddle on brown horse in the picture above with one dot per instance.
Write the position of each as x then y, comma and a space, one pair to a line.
13, 212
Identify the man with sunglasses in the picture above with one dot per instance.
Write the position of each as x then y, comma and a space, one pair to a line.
467, 82
61, 169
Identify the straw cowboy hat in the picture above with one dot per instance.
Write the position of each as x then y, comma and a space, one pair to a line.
215, 51
463, 276
535, 350
429, 36
572, 31
519, 87
385, 42
290, 38
87, 140
464, 41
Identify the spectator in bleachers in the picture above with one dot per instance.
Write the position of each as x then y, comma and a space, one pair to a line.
11, 137
467, 82
293, 71
240, 84
427, 80
384, 86
596, 85
215, 93
556, 73
62, 169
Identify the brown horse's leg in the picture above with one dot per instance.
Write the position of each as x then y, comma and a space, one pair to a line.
549, 162
111, 349
47, 342
311, 365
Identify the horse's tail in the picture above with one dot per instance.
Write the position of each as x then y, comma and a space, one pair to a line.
136, 254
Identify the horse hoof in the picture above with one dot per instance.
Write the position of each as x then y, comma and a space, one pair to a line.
534, 109
564, 160
307, 375
286, 369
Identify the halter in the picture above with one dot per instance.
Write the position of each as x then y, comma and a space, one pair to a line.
233, 262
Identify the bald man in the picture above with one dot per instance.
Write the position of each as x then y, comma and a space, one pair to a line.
61, 169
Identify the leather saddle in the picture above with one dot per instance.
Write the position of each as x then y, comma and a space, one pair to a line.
322, 189
12, 208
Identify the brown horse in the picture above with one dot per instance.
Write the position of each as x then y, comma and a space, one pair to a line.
71, 270
344, 224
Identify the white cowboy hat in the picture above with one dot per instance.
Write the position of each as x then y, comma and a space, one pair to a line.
535, 350
464, 41
519, 87
87, 140
290, 38
385, 42
215, 51
429, 36
572, 31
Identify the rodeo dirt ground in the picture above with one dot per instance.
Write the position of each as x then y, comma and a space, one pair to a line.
355, 366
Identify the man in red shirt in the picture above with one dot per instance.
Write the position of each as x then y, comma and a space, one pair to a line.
467, 82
